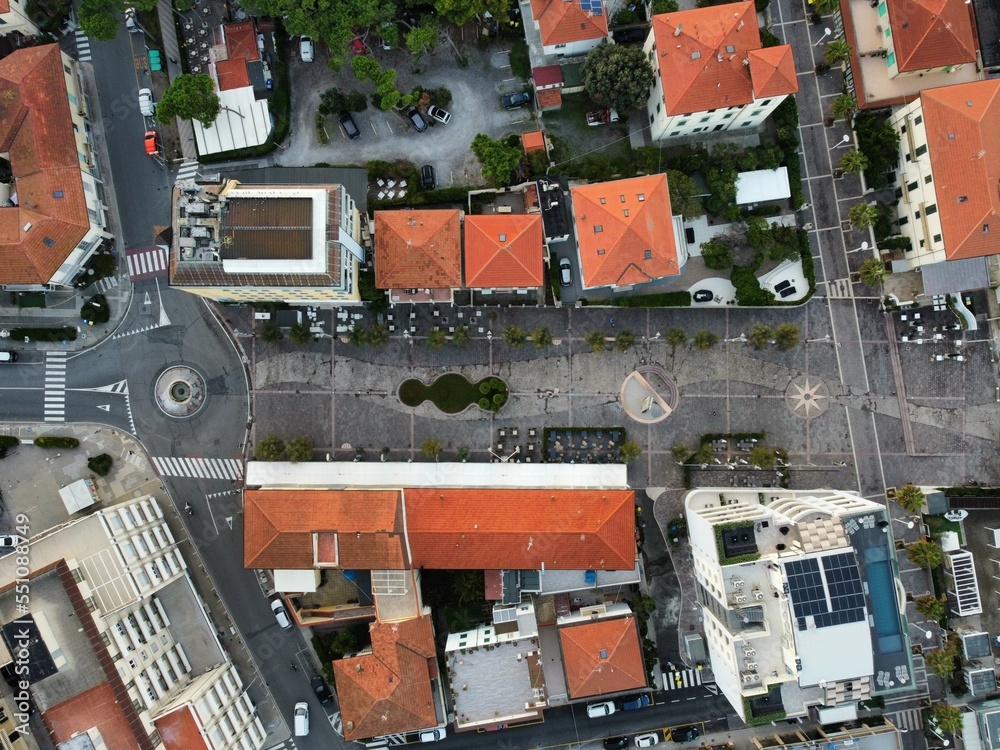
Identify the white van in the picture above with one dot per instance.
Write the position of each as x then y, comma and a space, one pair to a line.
301, 719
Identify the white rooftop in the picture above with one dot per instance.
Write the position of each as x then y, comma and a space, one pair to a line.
243, 122
820, 663
762, 185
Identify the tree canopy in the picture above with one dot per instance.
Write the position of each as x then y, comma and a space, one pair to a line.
422, 38
683, 194
618, 76
497, 159
460, 12
98, 20
190, 97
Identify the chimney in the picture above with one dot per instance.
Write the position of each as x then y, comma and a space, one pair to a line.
677, 31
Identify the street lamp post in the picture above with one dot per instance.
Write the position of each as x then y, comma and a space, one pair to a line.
843, 142
826, 32
864, 246
741, 339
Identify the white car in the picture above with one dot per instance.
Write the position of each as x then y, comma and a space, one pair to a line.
146, 106
443, 116
306, 49
130, 22
9, 541
280, 614
301, 716
597, 710
647, 740
433, 735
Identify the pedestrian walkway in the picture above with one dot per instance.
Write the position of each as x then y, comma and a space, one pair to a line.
200, 468
145, 263
82, 46
908, 719
103, 285
188, 171
55, 386
185, 130
687, 678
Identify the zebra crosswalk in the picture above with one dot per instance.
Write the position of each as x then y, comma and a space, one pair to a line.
679, 680
839, 289
145, 263
108, 282
82, 46
200, 468
187, 171
909, 719
55, 386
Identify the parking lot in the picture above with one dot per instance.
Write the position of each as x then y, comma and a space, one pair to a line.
475, 108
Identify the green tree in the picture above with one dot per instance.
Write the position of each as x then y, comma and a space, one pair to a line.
949, 718
760, 335
854, 161
378, 335
940, 661
910, 498
872, 272
100, 464
862, 215
461, 335
431, 448
837, 51
624, 340
716, 255
629, 451
676, 337
879, 141
436, 339
683, 194
931, 607
705, 340
460, 12
422, 38
925, 554
269, 333
824, 7
514, 336
299, 334
542, 337
332, 101
843, 107
680, 451
190, 97
357, 335
762, 457
366, 68
498, 160
595, 340
299, 449
618, 76
356, 102
664, 6
469, 586
787, 336
271, 448
98, 20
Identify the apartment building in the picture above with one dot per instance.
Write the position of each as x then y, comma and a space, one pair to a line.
569, 28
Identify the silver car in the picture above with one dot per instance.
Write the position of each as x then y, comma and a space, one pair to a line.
146, 106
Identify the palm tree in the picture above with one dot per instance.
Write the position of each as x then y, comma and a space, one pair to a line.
931, 606
824, 7
271, 448
595, 340
760, 335
705, 340
514, 336
624, 340
872, 272
299, 449
837, 51
461, 335
787, 336
854, 161
629, 451
949, 717
862, 215
844, 106
431, 448
676, 337
941, 661
378, 335
436, 339
542, 337
910, 498
357, 336
925, 554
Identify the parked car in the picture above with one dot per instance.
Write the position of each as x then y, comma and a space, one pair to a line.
416, 119
443, 116
565, 272
787, 292
433, 735
781, 286
306, 49
512, 101
281, 614
146, 106
632, 704
301, 715
130, 23
9, 541
349, 126
684, 734
7, 356
604, 708
616, 743
320, 689
152, 147
703, 295
647, 740
427, 177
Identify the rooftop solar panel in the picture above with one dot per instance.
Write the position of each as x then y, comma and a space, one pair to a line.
832, 595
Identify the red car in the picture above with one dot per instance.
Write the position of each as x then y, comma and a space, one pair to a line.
152, 147
358, 47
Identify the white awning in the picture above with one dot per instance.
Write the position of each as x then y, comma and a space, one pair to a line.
296, 581
79, 495
762, 185
243, 122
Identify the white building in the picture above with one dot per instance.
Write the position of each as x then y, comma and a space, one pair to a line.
800, 599
14, 19
711, 73
570, 28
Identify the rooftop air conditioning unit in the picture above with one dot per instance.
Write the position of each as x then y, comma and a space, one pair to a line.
741, 598
752, 666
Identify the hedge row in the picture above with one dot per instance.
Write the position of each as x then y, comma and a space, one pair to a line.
8, 441
665, 299
44, 334
56, 441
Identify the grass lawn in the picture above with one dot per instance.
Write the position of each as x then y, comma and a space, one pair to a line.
450, 393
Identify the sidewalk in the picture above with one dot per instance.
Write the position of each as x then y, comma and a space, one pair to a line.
171, 48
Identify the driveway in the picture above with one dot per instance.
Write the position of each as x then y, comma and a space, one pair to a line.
475, 108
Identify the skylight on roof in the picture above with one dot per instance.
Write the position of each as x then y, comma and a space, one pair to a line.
641, 197
503, 237
730, 49
695, 55
57, 194
49, 242
604, 654
598, 228
649, 254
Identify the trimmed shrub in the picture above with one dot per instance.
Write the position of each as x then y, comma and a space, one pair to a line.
44, 334
484, 387
56, 441
484, 404
8, 441
100, 465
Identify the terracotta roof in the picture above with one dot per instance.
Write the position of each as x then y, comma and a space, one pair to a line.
963, 142
549, 98
932, 34
565, 21
97, 709
418, 249
547, 75
4, 6
389, 690
688, 46
232, 74
625, 232
279, 525
36, 128
772, 72
602, 657
241, 41
521, 529
179, 730
503, 251
533, 141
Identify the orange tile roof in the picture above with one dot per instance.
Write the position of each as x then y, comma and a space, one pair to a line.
232, 74
279, 525
418, 249
36, 128
241, 41
689, 44
622, 239
602, 657
772, 72
932, 34
92, 709
966, 167
503, 251
565, 21
533, 141
549, 98
521, 529
389, 690
179, 730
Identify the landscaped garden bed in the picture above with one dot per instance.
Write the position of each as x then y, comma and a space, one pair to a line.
453, 393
